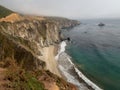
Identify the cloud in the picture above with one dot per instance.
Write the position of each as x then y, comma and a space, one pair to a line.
66, 8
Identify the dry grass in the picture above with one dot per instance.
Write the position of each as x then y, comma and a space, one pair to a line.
21, 79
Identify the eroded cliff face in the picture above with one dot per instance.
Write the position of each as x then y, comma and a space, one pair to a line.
35, 36
31, 36
32, 41
10, 49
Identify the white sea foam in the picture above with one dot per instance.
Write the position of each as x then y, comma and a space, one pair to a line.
62, 49
89, 82
71, 78
65, 65
68, 58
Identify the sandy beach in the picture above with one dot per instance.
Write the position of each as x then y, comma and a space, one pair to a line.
48, 55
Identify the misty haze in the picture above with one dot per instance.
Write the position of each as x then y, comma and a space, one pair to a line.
67, 8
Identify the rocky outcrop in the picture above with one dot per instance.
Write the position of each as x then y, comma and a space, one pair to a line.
32, 41
10, 48
63, 23
33, 35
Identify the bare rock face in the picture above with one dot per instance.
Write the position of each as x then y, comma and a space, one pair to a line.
27, 39
10, 48
35, 32
32, 41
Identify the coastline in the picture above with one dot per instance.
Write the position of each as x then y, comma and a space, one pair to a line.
70, 72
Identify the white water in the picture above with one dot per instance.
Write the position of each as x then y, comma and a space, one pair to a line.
62, 49
90, 83
71, 78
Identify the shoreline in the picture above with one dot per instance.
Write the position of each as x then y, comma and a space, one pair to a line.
71, 72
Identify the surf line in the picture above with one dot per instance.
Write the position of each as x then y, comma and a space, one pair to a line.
80, 74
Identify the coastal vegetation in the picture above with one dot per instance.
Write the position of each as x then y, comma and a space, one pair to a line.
4, 12
24, 43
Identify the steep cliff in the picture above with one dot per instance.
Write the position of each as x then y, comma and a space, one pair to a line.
32, 42
35, 36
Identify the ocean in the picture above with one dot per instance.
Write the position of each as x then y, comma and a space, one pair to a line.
95, 51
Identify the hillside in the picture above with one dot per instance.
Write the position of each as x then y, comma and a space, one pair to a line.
28, 45
4, 12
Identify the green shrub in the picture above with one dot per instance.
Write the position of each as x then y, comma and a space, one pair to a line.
21, 79
4, 12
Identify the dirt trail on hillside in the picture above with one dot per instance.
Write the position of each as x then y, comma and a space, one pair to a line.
16, 17
11, 18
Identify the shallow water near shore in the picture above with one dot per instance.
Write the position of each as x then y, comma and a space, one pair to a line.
96, 51
71, 73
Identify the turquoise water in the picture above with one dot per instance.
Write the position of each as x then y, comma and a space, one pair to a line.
96, 51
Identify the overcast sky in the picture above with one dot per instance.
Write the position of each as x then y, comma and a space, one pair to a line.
66, 8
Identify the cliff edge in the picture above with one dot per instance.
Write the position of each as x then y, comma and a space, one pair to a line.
28, 46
